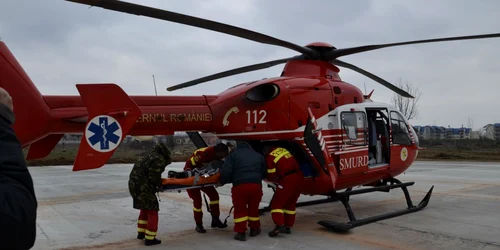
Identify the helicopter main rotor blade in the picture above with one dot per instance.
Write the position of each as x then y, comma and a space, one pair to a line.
349, 51
233, 72
136, 9
373, 77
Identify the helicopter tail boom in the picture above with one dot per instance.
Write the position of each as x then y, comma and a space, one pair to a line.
32, 114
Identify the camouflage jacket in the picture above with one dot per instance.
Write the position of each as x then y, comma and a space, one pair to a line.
145, 177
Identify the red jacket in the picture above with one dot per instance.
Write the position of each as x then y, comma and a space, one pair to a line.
279, 163
199, 157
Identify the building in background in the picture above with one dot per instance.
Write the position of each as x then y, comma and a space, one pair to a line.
441, 133
458, 133
430, 132
491, 131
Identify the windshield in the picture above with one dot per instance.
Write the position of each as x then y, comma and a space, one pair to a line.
411, 129
402, 133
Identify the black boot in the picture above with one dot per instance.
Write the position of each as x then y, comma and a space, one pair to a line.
200, 229
240, 237
217, 223
254, 232
288, 230
277, 230
152, 242
141, 236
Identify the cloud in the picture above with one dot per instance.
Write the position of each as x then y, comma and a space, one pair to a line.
61, 43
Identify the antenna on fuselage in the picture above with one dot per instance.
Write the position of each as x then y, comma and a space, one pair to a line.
154, 82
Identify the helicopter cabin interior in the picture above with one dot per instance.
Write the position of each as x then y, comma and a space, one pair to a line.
378, 137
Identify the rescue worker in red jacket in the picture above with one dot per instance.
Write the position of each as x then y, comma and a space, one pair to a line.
283, 169
245, 169
199, 158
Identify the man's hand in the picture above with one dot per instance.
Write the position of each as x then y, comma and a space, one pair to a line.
6, 99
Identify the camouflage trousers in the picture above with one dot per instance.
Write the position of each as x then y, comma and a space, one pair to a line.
144, 196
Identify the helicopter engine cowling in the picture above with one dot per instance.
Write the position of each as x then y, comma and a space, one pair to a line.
263, 92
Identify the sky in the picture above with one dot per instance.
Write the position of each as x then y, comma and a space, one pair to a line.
61, 44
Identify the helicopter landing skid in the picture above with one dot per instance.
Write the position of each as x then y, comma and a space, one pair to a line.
299, 204
395, 183
302, 204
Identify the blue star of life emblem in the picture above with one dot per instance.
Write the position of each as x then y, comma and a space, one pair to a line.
103, 133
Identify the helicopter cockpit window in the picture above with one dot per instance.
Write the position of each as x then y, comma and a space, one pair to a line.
354, 125
400, 134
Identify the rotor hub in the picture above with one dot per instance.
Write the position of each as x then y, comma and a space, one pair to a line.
319, 50
320, 45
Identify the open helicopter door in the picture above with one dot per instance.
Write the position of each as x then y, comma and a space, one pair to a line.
353, 157
314, 140
197, 139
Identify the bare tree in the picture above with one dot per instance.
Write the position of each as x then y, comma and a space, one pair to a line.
407, 106
470, 123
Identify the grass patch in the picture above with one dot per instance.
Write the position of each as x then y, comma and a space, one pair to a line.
451, 154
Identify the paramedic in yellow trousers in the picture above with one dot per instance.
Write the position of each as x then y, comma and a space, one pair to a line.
245, 169
199, 159
284, 170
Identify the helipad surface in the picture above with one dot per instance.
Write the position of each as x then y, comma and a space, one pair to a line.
93, 210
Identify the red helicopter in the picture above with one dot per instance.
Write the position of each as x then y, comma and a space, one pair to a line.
338, 135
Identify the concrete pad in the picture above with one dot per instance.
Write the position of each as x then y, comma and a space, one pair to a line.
93, 210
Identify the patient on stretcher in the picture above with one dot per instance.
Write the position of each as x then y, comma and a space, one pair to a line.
208, 174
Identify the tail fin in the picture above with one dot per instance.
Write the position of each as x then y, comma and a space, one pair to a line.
112, 113
31, 111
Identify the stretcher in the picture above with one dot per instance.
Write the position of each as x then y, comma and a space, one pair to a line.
206, 176
179, 184
197, 180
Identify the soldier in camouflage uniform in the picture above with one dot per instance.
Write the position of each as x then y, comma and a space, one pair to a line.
144, 182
